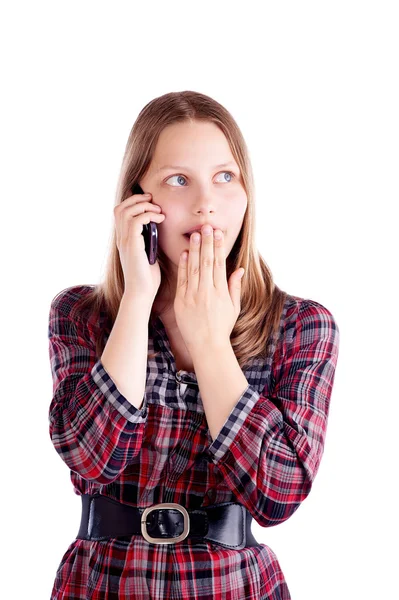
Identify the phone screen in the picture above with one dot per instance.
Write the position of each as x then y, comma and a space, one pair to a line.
150, 233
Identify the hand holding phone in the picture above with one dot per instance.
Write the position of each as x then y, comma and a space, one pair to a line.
137, 242
150, 233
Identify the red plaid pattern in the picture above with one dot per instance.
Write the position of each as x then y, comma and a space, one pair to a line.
266, 455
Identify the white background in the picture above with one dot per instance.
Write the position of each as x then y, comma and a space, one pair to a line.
314, 88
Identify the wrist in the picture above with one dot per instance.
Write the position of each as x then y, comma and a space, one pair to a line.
210, 349
133, 298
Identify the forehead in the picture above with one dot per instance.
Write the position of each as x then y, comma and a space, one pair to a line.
192, 146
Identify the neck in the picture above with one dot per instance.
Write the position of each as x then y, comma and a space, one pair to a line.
166, 312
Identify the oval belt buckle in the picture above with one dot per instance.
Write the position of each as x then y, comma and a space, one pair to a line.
172, 540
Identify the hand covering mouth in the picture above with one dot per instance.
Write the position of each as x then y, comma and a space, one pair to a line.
188, 234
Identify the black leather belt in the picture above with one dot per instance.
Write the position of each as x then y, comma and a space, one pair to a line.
227, 524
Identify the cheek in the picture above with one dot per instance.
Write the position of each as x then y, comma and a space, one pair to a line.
170, 238
238, 205
237, 214
243, 204
241, 213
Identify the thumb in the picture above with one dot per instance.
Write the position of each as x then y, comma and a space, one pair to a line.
235, 287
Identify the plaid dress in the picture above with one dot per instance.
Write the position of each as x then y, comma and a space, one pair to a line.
265, 457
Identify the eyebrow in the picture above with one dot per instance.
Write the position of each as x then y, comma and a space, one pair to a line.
227, 164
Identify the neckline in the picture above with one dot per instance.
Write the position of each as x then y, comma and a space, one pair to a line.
166, 341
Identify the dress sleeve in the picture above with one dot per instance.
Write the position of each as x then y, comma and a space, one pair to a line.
270, 448
93, 427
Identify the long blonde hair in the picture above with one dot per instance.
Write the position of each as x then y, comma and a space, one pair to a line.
261, 300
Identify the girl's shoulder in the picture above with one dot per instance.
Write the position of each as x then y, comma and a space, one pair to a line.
310, 317
295, 307
66, 299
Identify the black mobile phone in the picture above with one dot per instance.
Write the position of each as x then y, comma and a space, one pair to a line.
150, 233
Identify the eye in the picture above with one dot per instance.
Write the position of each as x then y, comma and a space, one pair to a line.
180, 177
229, 173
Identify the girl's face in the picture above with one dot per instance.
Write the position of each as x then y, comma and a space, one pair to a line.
187, 181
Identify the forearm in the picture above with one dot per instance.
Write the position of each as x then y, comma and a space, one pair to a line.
125, 354
221, 383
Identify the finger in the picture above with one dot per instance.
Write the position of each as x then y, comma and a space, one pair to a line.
182, 273
206, 258
135, 198
135, 216
193, 273
219, 274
